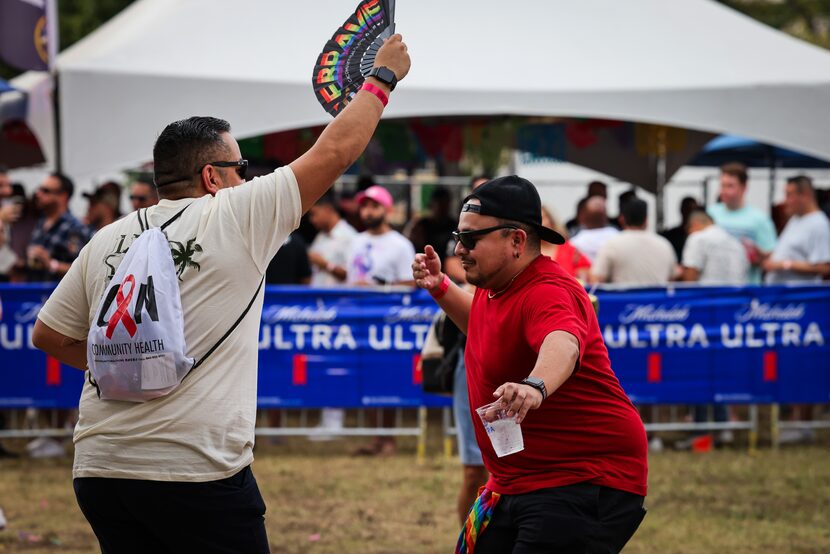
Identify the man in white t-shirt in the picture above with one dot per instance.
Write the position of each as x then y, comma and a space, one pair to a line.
635, 256
802, 254
379, 255
595, 228
711, 255
329, 252
173, 474
329, 256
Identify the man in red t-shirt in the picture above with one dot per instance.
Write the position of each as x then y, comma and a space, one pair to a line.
534, 343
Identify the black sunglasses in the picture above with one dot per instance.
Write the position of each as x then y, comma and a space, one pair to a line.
138, 198
240, 165
468, 239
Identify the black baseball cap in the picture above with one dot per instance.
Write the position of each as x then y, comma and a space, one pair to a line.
515, 199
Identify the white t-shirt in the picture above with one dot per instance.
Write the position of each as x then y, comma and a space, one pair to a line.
334, 247
635, 257
203, 430
717, 255
589, 241
804, 239
380, 259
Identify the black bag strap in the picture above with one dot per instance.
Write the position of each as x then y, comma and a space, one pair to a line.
145, 223
231, 330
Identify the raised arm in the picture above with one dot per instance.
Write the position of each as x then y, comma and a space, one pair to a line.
345, 138
455, 301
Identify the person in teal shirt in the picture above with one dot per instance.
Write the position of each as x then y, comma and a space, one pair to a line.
747, 224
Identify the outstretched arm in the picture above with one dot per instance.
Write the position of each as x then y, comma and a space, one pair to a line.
345, 138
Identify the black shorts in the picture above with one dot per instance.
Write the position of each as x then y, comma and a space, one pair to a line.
575, 518
131, 515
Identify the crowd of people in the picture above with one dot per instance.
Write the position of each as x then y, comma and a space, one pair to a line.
174, 474
354, 242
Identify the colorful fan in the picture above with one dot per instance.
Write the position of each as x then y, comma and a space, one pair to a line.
348, 57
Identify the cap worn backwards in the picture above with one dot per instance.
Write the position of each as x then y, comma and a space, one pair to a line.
515, 199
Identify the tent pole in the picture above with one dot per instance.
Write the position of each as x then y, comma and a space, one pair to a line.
56, 113
661, 176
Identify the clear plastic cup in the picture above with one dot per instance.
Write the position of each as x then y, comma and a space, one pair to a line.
505, 434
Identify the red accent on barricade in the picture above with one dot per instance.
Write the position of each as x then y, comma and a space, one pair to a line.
417, 374
770, 366
299, 375
53, 372
655, 367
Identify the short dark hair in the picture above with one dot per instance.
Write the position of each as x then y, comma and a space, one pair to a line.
534, 241
735, 169
185, 146
626, 197
700, 215
802, 184
635, 212
594, 185
67, 186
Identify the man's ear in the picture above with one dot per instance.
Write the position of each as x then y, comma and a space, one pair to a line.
210, 179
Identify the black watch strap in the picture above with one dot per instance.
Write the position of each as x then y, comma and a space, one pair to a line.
537, 384
384, 75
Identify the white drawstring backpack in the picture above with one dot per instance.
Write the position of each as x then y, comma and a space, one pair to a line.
136, 349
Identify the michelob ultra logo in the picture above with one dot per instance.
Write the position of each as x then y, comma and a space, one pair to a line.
122, 296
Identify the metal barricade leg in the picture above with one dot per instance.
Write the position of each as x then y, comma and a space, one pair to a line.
753, 432
422, 436
775, 412
447, 424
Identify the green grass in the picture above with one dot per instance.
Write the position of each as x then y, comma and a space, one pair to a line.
322, 500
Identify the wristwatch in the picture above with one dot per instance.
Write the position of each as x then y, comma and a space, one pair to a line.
384, 75
537, 384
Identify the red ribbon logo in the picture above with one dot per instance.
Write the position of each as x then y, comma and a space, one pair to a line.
121, 313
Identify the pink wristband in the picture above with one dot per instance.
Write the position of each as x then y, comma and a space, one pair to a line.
377, 91
442, 288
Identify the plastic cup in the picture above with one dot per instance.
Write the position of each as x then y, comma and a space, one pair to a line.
505, 434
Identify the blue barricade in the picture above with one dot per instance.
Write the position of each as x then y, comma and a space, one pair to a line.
359, 347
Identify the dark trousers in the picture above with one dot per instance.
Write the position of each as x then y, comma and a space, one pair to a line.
130, 515
576, 518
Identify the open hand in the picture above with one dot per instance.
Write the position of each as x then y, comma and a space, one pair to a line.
426, 269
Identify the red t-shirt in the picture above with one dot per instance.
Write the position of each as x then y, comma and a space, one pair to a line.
570, 258
587, 430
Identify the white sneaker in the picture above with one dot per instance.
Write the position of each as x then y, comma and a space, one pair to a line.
331, 419
726, 437
655, 445
2, 520
44, 447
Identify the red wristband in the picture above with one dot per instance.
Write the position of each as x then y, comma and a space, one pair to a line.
442, 289
377, 91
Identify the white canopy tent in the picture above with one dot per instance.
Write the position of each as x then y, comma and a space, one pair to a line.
687, 63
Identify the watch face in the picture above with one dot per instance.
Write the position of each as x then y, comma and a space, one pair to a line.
386, 74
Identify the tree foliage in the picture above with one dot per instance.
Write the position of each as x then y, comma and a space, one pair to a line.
806, 19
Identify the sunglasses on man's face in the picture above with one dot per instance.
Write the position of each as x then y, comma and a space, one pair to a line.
468, 239
240, 165
138, 198
48, 191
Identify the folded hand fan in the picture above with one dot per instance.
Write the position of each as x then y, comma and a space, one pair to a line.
350, 53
